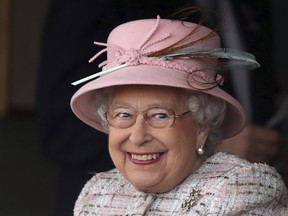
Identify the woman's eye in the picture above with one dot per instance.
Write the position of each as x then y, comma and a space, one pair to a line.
123, 115
159, 116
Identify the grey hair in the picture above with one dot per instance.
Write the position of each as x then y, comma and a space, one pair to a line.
102, 101
208, 111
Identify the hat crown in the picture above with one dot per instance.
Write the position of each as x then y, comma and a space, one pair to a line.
135, 39
154, 34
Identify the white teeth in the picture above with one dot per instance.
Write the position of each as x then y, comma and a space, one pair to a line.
145, 157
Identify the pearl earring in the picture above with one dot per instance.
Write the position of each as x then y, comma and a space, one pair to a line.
200, 151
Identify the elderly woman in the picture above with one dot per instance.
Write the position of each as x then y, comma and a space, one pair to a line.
158, 98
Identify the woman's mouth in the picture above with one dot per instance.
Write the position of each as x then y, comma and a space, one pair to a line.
144, 158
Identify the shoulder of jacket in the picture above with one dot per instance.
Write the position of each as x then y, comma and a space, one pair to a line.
103, 178
256, 183
97, 184
232, 184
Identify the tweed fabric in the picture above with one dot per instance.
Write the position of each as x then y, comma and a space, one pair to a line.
224, 185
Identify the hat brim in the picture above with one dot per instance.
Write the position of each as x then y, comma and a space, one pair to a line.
83, 102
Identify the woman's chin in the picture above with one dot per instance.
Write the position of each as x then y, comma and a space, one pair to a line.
144, 186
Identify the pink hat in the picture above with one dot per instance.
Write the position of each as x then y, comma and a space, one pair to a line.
155, 52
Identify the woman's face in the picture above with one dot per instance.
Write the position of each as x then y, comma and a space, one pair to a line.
154, 159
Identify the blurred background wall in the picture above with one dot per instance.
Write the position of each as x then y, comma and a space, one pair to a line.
26, 25
27, 179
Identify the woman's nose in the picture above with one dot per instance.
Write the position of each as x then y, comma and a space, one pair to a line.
140, 131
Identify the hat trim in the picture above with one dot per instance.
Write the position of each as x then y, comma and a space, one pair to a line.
244, 58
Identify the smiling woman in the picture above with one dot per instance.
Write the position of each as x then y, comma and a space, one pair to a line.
174, 144
158, 98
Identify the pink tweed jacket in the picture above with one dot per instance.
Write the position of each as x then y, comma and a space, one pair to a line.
224, 185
